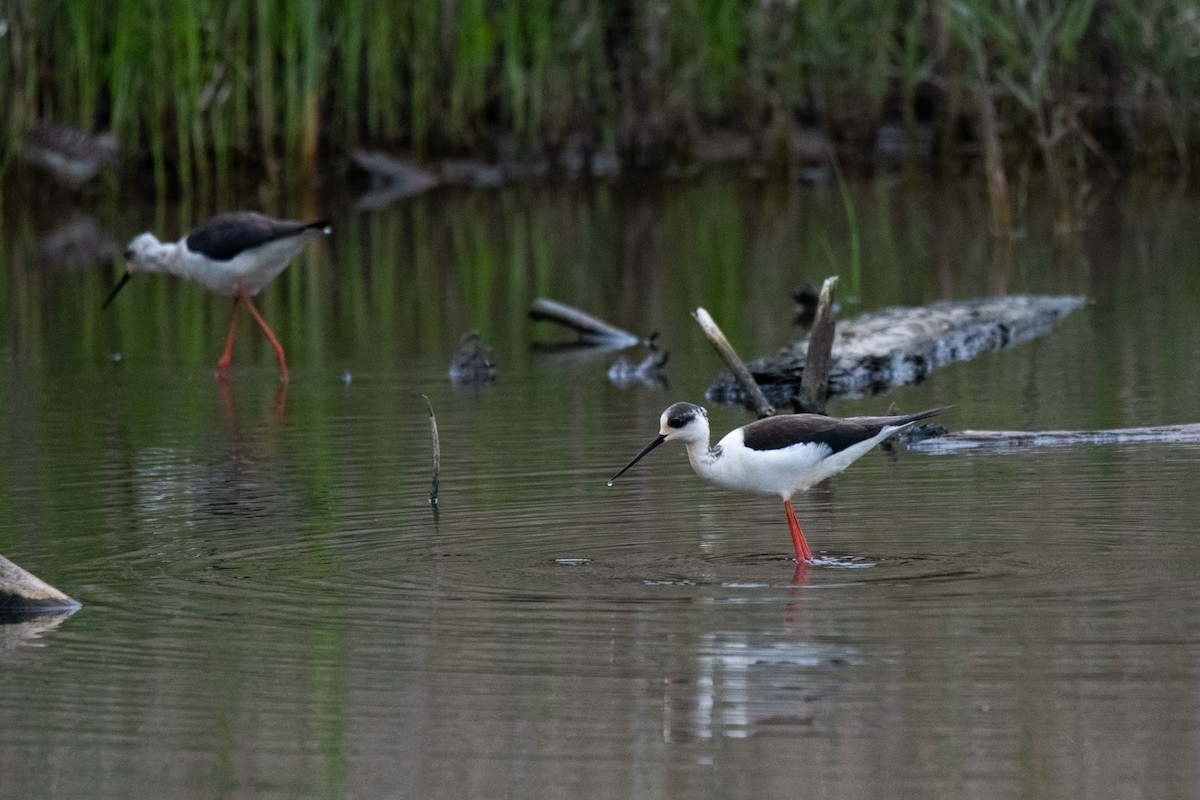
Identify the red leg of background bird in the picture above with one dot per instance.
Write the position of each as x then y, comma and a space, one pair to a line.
802, 551
262, 323
227, 356
281, 399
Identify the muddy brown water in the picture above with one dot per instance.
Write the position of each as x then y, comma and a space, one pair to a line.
271, 609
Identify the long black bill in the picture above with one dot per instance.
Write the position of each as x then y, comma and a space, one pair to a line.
639, 456
120, 285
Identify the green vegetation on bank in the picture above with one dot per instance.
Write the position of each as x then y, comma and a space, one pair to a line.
197, 88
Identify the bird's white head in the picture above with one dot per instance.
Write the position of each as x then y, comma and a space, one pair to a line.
145, 253
142, 254
685, 422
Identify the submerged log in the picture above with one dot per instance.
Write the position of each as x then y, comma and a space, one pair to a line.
23, 594
898, 346
1021, 440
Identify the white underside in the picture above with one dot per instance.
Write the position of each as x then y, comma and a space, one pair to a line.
779, 473
248, 272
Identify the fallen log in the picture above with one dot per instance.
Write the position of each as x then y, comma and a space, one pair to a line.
901, 345
23, 594
957, 441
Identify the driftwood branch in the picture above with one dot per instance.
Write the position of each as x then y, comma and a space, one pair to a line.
23, 594
736, 366
437, 455
814, 384
1021, 440
591, 330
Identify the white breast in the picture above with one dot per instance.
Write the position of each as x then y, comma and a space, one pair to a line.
768, 472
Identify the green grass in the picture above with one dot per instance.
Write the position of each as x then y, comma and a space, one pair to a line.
200, 87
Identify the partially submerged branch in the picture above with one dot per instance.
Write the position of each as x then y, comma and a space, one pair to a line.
591, 330
737, 367
23, 594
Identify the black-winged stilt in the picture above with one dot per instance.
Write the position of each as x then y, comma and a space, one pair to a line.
778, 455
235, 254
73, 156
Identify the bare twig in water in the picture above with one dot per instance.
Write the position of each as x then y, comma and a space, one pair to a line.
590, 329
437, 454
814, 385
735, 364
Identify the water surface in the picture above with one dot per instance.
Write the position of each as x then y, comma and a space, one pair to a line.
272, 609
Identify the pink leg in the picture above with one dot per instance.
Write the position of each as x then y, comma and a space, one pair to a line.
262, 323
802, 551
227, 356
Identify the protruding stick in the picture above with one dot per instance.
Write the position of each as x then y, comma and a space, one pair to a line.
22, 593
814, 384
735, 364
590, 329
437, 455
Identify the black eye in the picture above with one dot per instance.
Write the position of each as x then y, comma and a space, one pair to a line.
679, 420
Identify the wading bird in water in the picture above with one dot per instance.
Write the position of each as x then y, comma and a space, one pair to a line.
778, 455
234, 254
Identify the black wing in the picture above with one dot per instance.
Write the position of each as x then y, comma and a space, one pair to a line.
775, 433
226, 235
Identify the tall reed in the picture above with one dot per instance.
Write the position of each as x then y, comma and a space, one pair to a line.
202, 86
